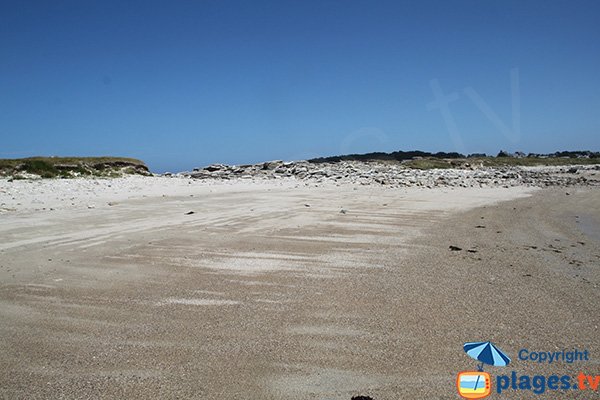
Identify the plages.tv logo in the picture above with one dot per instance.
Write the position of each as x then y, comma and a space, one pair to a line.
478, 384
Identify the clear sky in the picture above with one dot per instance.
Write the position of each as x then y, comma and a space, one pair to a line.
181, 84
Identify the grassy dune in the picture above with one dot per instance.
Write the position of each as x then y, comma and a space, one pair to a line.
68, 167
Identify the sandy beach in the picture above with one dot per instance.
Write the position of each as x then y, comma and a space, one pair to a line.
157, 287
299, 200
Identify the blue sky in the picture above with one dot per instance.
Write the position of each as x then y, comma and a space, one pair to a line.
181, 84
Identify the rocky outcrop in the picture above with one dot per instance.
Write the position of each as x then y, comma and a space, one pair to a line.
393, 174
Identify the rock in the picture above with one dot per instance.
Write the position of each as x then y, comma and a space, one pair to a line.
65, 166
454, 248
343, 211
271, 165
214, 167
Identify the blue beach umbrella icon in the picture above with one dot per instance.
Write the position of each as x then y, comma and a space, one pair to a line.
486, 353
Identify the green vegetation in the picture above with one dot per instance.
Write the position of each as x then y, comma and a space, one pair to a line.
429, 163
503, 161
68, 167
40, 167
533, 161
425, 160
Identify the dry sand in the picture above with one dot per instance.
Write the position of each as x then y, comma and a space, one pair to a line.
268, 291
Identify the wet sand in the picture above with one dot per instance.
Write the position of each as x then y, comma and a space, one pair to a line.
271, 292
